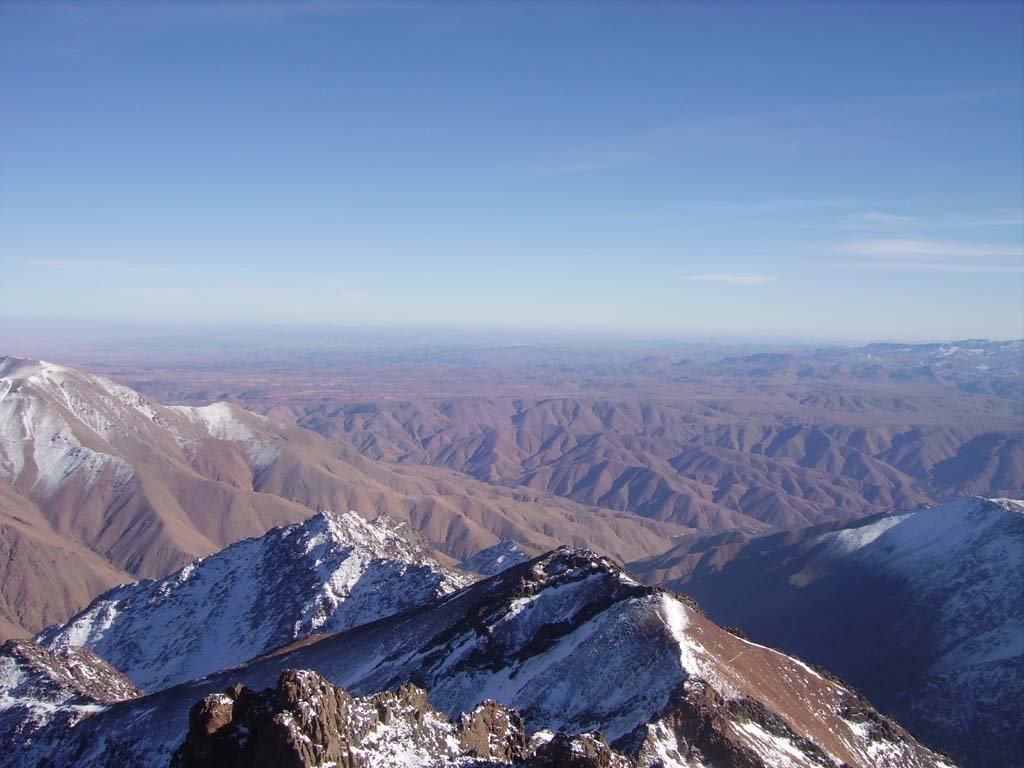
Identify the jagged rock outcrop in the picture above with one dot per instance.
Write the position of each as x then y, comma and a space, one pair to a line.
304, 721
585, 750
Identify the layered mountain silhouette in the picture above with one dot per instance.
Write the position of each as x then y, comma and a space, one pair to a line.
353, 638
101, 485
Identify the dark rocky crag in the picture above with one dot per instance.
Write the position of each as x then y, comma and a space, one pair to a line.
305, 721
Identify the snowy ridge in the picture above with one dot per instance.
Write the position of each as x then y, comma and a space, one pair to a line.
964, 559
929, 551
496, 559
575, 644
330, 573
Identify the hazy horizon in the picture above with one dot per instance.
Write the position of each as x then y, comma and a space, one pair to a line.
21, 337
785, 171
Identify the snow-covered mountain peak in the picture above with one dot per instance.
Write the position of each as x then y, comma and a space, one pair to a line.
58, 424
222, 421
16, 368
329, 573
99, 403
54, 424
384, 536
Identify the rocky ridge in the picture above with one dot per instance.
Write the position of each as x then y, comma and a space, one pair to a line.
576, 645
329, 573
304, 722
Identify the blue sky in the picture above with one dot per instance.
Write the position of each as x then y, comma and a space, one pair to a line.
849, 171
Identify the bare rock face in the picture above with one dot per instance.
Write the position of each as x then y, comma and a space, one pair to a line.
699, 726
586, 750
305, 721
495, 731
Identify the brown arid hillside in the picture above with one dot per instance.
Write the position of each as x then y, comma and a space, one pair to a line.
617, 451
700, 464
44, 578
700, 436
103, 484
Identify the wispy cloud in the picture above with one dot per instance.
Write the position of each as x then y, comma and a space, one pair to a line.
730, 278
939, 256
928, 249
870, 219
729, 211
881, 221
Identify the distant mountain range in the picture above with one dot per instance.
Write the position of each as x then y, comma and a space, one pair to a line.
754, 442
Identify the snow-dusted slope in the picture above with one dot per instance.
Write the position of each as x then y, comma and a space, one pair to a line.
332, 572
576, 644
40, 689
496, 559
922, 610
144, 486
52, 429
